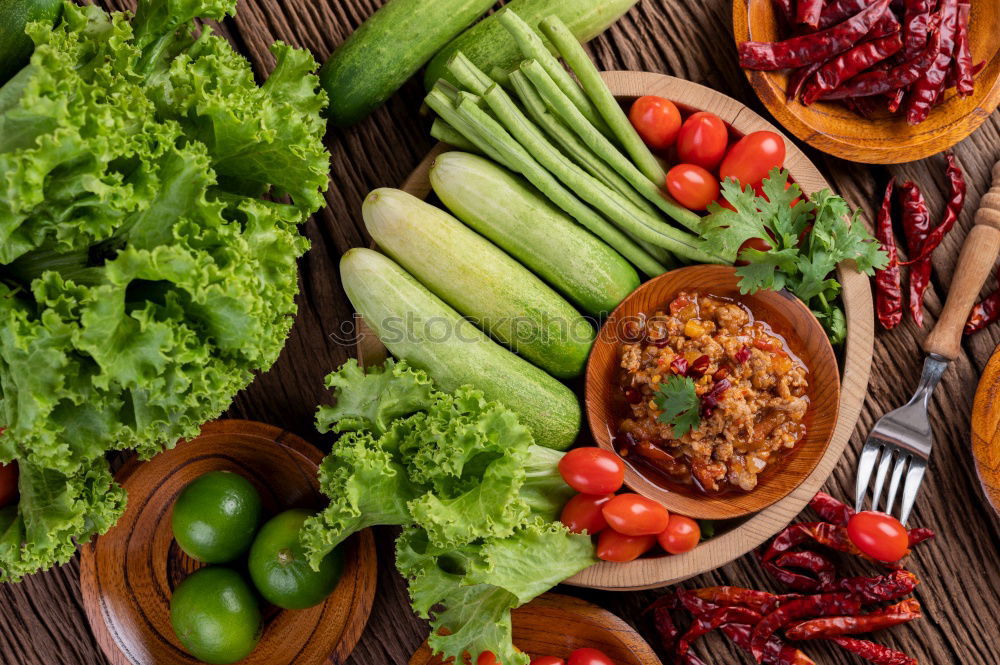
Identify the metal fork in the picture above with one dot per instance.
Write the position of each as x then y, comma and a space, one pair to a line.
904, 436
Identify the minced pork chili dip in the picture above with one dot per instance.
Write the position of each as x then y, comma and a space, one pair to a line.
752, 390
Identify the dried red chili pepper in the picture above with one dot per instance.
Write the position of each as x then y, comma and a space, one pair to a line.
918, 536
896, 100
827, 627
850, 63
875, 653
984, 313
888, 282
880, 589
742, 355
956, 201
926, 91
664, 622
916, 25
792, 579
785, 10
706, 623
797, 79
698, 367
822, 567
963, 53
807, 49
679, 366
831, 510
916, 227
776, 652
711, 400
728, 596
808, 12
820, 605
838, 10
884, 81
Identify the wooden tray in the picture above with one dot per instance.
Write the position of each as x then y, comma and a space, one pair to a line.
128, 575
885, 138
556, 625
856, 368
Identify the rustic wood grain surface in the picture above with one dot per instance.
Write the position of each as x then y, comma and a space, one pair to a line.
42, 621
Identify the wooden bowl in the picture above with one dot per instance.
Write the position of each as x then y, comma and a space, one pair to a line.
128, 575
885, 138
856, 360
986, 431
790, 318
556, 625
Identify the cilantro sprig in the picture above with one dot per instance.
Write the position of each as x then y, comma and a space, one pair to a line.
808, 238
680, 405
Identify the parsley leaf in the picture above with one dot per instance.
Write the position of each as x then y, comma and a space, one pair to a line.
680, 405
808, 237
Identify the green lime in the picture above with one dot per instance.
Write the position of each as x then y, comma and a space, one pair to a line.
216, 616
279, 568
216, 516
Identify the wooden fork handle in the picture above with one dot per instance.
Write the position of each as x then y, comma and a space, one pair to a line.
979, 253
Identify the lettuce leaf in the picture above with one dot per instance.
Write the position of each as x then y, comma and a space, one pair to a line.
150, 193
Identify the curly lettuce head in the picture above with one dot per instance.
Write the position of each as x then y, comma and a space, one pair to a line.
150, 193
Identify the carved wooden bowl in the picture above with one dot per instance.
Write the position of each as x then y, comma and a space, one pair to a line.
128, 575
885, 138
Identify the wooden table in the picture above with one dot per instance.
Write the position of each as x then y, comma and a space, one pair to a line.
42, 620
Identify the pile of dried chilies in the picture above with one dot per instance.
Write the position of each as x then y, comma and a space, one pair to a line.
900, 54
921, 241
821, 605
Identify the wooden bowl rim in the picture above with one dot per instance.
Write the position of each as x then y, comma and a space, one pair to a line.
929, 138
583, 611
734, 505
651, 573
364, 562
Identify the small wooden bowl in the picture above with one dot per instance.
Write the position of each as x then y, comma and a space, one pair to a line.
885, 138
986, 431
556, 625
128, 575
790, 318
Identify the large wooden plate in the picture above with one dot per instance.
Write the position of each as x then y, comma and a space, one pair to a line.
128, 574
885, 138
856, 367
556, 625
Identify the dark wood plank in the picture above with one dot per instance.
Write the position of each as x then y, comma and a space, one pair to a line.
41, 620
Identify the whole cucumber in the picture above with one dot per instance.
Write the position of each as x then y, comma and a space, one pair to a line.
509, 211
490, 46
389, 48
419, 327
15, 45
479, 280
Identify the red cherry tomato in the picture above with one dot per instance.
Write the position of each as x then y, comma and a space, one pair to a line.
878, 535
681, 535
753, 157
583, 513
613, 546
692, 186
588, 656
759, 244
8, 484
592, 470
657, 120
702, 140
547, 660
635, 515
487, 658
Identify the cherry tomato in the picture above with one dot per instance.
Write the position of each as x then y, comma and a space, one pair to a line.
753, 157
592, 470
547, 660
583, 513
681, 535
635, 515
487, 658
878, 535
657, 120
702, 140
588, 656
692, 186
759, 244
8, 484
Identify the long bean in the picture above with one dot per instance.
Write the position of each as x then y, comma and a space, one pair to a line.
468, 75
600, 96
442, 103
604, 149
502, 148
610, 203
444, 132
533, 48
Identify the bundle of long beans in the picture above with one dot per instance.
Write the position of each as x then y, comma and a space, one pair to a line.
570, 138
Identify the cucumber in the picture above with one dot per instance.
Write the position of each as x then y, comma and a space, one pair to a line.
489, 45
479, 280
509, 211
15, 46
419, 327
389, 48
